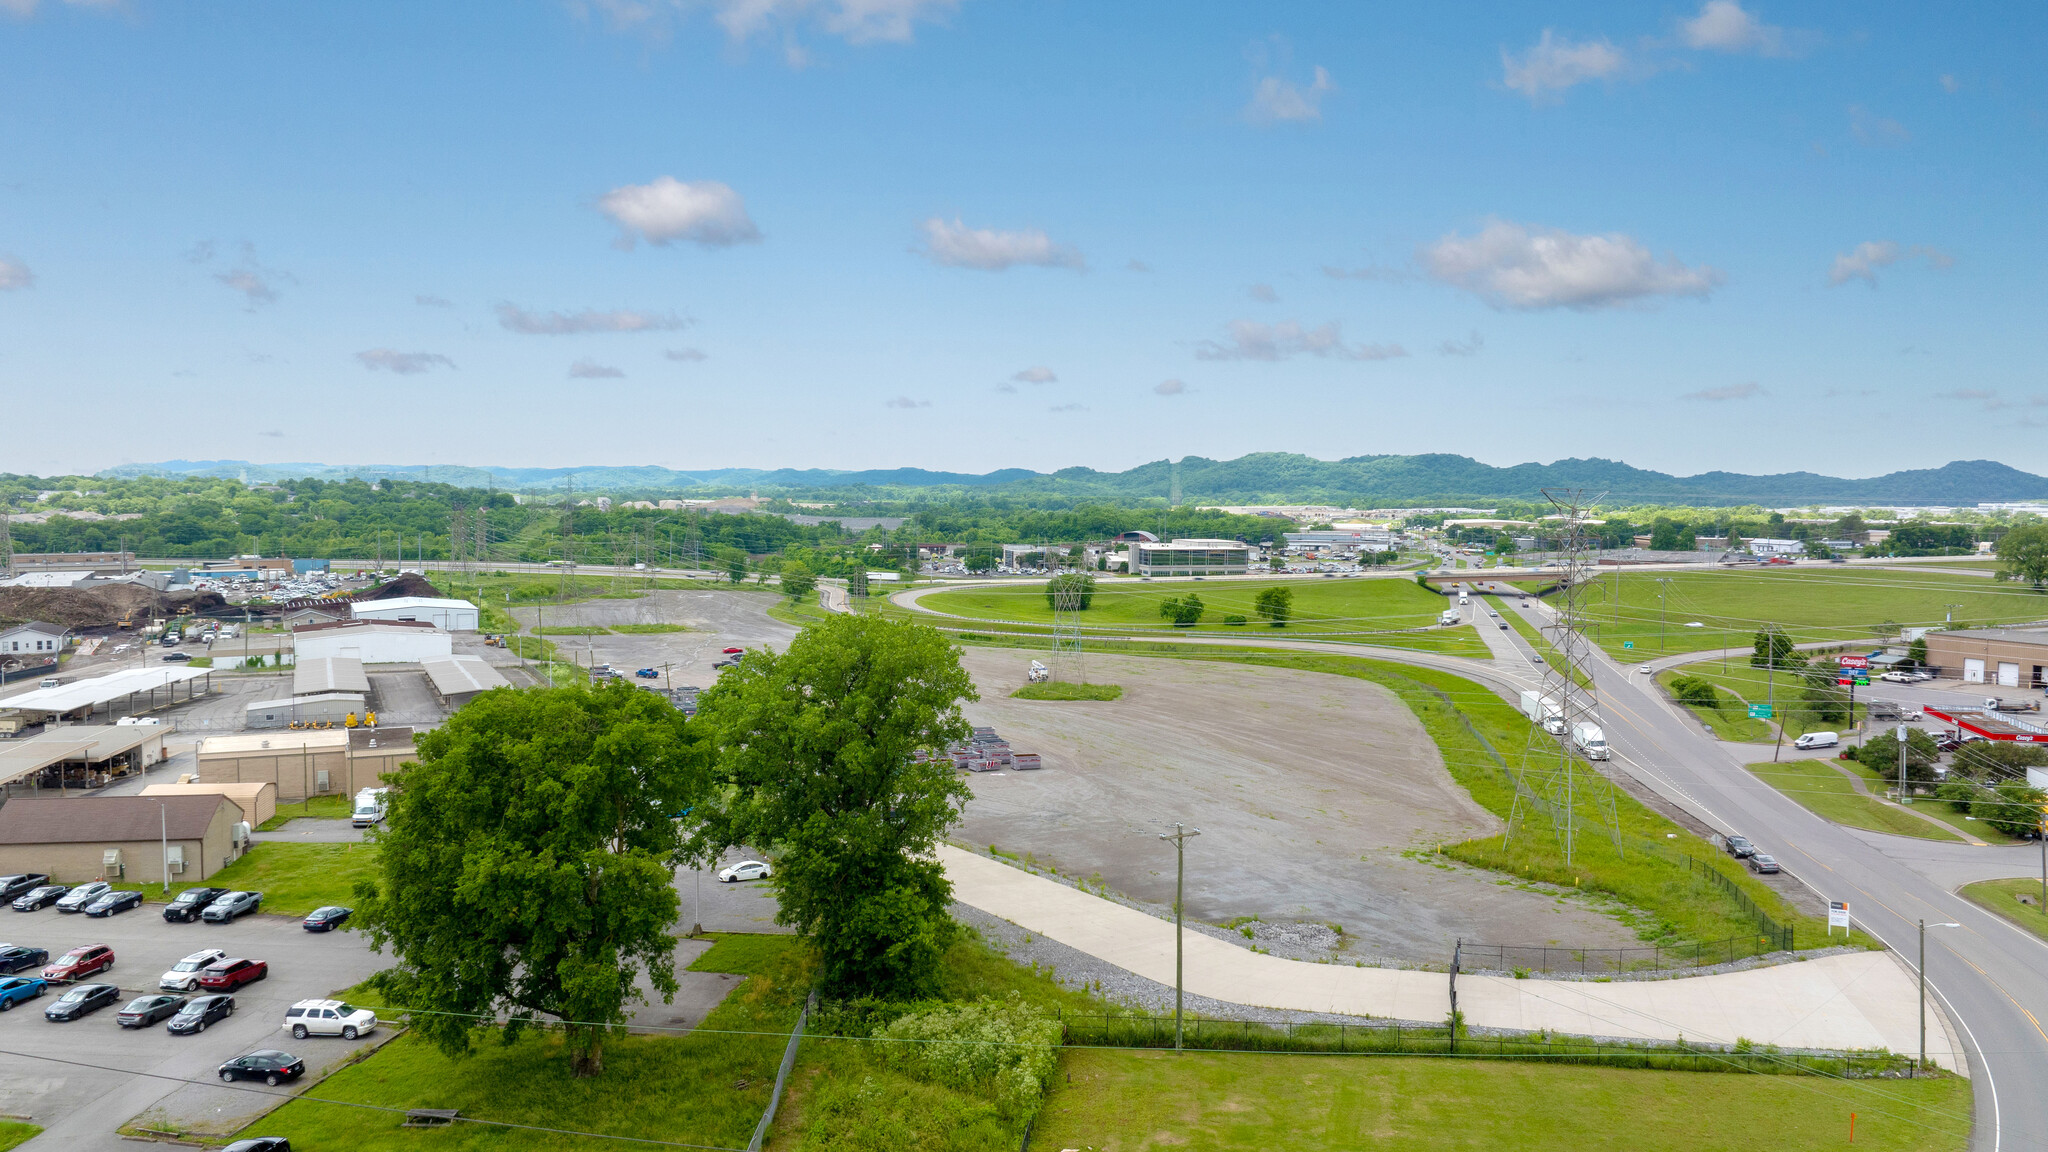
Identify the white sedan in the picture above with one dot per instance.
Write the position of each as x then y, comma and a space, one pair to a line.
744, 870
185, 976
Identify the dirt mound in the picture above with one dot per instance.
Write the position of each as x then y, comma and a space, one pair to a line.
71, 607
407, 584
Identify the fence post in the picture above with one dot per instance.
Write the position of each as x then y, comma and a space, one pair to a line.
782, 1074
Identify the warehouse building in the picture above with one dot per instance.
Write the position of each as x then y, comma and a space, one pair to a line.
78, 756
2006, 657
1191, 558
314, 675
33, 642
306, 763
447, 615
129, 692
75, 839
458, 679
258, 802
372, 641
320, 710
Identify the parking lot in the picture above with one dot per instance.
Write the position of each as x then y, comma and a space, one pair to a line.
116, 1076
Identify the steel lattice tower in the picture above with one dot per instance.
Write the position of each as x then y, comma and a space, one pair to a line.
1067, 665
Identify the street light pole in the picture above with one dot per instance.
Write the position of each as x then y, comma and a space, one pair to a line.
1180, 869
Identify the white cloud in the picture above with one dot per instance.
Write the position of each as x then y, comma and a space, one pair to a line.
990, 250
1275, 101
1068, 408
906, 402
1466, 347
1136, 265
433, 302
686, 355
23, 9
257, 284
1512, 266
1251, 340
1725, 26
855, 21
1743, 391
1036, 374
403, 363
1877, 131
14, 274
667, 209
1863, 261
1950, 84
1263, 293
517, 319
1554, 64
1170, 388
592, 370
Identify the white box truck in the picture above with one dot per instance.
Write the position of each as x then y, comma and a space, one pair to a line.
1448, 616
1590, 740
1543, 711
369, 807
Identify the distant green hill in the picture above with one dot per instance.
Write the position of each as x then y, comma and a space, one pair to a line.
1262, 477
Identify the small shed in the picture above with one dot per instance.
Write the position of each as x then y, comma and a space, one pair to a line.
325, 708
258, 801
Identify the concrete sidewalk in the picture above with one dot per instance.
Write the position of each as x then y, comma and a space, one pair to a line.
1865, 1000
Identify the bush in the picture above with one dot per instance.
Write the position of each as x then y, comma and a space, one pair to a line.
1080, 583
1000, 1050
1695, 691
1957, 793
1234, 620
1184, 613
1276, 605
2014, 808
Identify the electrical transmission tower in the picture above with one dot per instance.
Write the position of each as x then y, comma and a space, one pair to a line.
1067, 665
1553, 784
6, 539
458, 535
479, 553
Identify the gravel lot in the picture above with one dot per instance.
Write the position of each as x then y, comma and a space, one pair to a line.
716, 620
1308, 790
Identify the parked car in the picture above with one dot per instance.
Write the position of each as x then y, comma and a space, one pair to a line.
112, 902
734, 651
81, 1000
80, 962
12, 886
1763, 862
1738, 847
187, 905
200, 1011
227, 975
647, 674
143, 1011
15, 957
326, 919
270, 1066
1898, 677
76, 899
176, 657
224, 909
260, 1144
16, 989
41, 896
184, 975
328, 1018
744, 870
1818, 740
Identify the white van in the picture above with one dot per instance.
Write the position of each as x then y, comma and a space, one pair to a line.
369, 807
1818, 740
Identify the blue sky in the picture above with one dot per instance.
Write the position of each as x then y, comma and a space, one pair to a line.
976, 234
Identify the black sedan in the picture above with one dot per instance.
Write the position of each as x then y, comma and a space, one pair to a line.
270, 1066
41, 896
12, 886
112, 902
327, 919
186, 905
177, 657
225, 909
82, 1000
143, 1011
1739, 847
15, 958
260, 1144
200, 1011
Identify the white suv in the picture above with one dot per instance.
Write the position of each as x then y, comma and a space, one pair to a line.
185, 976
328, 1018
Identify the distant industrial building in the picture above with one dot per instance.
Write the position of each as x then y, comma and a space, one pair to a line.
1342, 539
78, 756
302, 763
1191, 558
54, 578
135, 690
2006, 657
33, 641
447, 615
39, 561
458, 679
320, 612
372, 641
131, 838
1767, 547
324, 709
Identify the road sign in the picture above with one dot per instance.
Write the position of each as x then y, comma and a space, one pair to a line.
1628, 643
1759, 711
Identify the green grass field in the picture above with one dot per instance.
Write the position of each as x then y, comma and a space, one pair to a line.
14, 1133
1838, 604
1191, 1102
294, 878
1364, 611
314, 807
1832, 796
2002, 897
1065, 691
647, 629
1743, 686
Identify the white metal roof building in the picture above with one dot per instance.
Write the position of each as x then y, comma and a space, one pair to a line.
458, 679
449, 615
1191, 558
136, 687
312, 676
98, 748
321, 708
372, 641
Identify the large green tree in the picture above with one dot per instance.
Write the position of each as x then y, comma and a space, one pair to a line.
525, 867
1275, 605
1772, 648
2023, 554
1081, 585
817, 752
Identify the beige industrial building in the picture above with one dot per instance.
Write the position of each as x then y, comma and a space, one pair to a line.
258, 802
120, 837
2001, 657
306, 763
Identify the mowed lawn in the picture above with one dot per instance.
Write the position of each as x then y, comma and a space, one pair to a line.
1818, 787
1833, 603
1323, 609
2003, 897
294, 878
1133, 1101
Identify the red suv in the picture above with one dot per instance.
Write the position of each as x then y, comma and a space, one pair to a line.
228, 975
79, 963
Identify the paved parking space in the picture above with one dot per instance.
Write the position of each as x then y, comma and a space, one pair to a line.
80, 1107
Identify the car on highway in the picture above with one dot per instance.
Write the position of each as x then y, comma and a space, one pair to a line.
744, 870
1763, 862
112, 902
1898, 678
326, 919
328, 1018
184, 975
82, 961
1818, 740
176, 657
41, 896
269, 1065
647, 674
12, 886
15, 957
81, 1000
187, 905
16, 989
228, 975
260, 1144
1738, 847
233, 904
143, 1011
1503, 625
76, 899
198, 1012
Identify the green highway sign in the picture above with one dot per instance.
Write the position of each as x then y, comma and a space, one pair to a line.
1759, 711
1628, 643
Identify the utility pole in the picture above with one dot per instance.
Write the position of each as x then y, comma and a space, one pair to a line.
164, 830
1902, 765
1179, 837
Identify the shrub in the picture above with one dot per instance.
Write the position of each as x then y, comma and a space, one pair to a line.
1276, 605
1080, 583
1234, 620
1957, 793
1184, 613
1001, 1050
1695, 691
